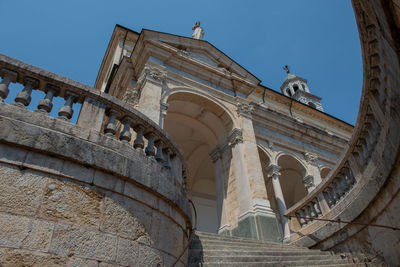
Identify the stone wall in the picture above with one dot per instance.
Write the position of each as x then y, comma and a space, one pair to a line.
72, 196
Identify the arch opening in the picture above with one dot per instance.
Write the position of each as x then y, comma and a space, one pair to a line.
198, 126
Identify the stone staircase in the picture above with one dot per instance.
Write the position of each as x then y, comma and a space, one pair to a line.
211, 250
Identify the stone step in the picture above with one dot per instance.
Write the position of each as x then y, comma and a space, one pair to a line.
210, 236
276, 264
258, 252
297, 258
228, 245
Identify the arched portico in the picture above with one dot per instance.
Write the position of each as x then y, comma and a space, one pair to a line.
199, 125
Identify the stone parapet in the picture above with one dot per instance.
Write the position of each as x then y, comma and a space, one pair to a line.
111, 192
363, 186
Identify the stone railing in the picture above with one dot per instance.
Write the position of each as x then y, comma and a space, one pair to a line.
100, 112
364, 168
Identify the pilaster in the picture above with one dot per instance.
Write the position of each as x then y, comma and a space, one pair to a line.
150, 86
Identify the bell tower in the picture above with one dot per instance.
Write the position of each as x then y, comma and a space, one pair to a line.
296, 87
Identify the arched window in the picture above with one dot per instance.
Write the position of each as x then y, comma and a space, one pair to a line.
304, 86
288, 92
295, 87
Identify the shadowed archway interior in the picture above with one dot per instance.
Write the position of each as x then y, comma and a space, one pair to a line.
198, 126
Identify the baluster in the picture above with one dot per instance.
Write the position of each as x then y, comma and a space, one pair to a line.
125, 135
300, 219
150, 150
160, 155
329, 194
317, 208
335, 191
66, 111
344, 184
46, 104
111, 126
168, 154
8, 77
313, 212
139, 142
23, 98
307, 214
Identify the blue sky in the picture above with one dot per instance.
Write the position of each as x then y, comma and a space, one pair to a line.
317, 38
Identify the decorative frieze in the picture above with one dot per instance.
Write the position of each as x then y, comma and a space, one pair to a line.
131, 96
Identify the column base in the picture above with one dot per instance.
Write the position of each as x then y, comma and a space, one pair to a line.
258, 225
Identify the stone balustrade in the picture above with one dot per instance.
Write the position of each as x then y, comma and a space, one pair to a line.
363, 185
325, 197
100, 112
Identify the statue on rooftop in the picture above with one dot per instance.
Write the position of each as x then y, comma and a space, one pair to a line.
198, 31
286, 68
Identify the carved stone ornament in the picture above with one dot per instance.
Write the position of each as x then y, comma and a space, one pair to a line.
244, 109
131, 96
154, 73
235, 137
308, 181
273, 170
311, 158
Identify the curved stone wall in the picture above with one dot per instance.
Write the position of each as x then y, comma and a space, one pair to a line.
365, 185
73, 196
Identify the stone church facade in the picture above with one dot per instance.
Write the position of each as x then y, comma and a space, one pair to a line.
235, 133
171, 121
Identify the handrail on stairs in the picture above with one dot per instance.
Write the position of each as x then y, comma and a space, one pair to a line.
192, 233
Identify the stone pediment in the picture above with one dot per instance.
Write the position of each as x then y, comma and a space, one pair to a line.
198, 56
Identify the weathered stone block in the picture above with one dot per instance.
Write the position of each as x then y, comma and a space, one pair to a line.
125, 217
20, 192
81, 242
77, 171
43, 162
12, 154
79, 262
149, 257
128, 252
18, 258
108, 181
71, 203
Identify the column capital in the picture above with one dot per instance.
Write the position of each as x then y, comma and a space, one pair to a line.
154, 74
273, 170
235, 137
244, 109
311, 158
163, 108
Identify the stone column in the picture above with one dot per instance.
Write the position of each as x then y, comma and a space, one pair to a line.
163, 113
151, 87
273, 173
253, 166
216, 158
240, 170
